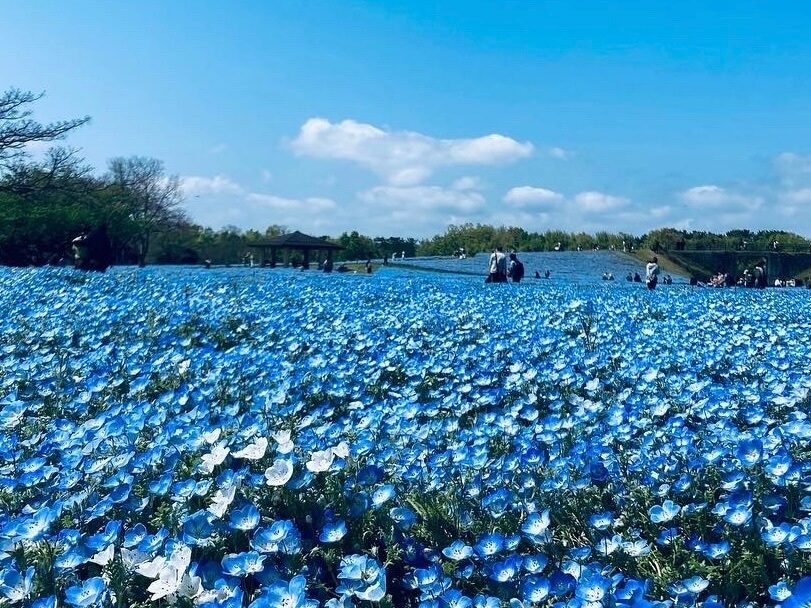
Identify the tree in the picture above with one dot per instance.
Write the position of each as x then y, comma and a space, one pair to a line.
151, 199
18, 129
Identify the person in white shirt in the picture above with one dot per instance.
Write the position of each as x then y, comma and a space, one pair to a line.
652, 273
497, 266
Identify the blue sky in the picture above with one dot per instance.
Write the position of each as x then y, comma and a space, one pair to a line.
400, 118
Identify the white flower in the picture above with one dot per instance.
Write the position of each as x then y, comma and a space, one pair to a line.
253, 451
222, 500
103, 557
285, 444
131, 558
214, 458
320, 461
279, 473
212, 436
152, 568
341, 450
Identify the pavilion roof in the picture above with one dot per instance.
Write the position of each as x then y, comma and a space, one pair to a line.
296, 240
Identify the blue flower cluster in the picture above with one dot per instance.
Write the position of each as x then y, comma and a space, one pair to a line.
246, 437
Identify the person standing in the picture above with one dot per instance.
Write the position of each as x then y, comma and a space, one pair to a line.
516, 269
760, 274
497, 266
652, 273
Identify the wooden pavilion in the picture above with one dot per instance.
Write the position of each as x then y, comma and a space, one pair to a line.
294, 241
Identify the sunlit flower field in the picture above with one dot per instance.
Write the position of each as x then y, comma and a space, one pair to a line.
270, 438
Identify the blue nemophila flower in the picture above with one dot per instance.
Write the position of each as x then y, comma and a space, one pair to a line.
572, 568
636, 548
152, 542
160, 487
740, 515
454, 598
667, 536
733, 481
580, 553
602, 521
717, 550
345, 601
695, 584
363, 577
45, 602
536, 526
497, 503
561, 583
403, 517
134, 535
88, 594
430, 581
608, 545
534, 564
464, 570
72, 558
592, 587
102, 539
370, 475
282, 594
800, 594
382, 495
664, 513
14, 586
803, 542
535, 589
490, 544
333, 532
198, 529
458, 551
749, 451
683, 595
486, 601
246, 518
243, 564
282, 536
774, 536
778, 464
320, 460
506, 569
773, 503
34, 528
780, 591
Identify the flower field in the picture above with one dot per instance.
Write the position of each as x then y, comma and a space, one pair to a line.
267, 438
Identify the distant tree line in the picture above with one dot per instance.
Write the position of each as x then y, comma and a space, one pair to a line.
475, 238
46, 203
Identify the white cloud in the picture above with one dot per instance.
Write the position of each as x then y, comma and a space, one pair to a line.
560, 153
799, 197
467, 183
402, 158
599, 202
529, 197
793, 169
425, 199
718, 199
218, 149
271, 202
193, 185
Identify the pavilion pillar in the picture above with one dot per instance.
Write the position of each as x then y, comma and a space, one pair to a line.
273, 257
306, 263
286, 257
